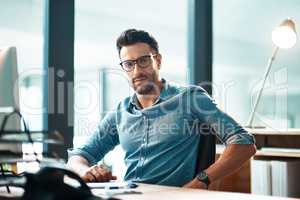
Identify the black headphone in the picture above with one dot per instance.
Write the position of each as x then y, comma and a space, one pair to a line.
49, 184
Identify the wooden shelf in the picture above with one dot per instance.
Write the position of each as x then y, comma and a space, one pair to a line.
272, 145
268, 153
278, 154
276, 132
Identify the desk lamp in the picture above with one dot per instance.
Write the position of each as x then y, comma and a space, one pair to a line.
284, 37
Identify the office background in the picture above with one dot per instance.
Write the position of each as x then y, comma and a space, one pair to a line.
227, 42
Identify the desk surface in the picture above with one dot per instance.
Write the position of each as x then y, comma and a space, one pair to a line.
151, 192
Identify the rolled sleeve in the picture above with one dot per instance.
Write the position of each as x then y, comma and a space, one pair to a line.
241, 138
222, 125
79, 152
103, 139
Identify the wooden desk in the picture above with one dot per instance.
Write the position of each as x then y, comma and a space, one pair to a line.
152, 192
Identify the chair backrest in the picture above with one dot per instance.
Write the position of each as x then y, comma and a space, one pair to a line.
206, 152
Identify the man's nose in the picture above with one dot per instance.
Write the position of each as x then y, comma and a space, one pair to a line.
136, 68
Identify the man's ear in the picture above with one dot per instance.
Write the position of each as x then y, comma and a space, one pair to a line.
158, 60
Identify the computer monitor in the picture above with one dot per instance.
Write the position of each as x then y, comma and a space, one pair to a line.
9, 90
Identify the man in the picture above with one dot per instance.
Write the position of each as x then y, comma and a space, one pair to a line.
160, 126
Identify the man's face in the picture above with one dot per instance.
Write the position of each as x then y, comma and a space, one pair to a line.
144, 79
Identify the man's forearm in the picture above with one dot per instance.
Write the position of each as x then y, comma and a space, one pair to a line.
95, 173
78, 164
232, 159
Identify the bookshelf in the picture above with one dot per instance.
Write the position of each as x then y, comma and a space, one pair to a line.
271, 145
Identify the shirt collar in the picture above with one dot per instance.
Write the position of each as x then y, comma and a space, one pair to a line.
164, 94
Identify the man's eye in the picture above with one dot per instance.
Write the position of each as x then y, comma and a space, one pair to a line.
144, 59
128, 64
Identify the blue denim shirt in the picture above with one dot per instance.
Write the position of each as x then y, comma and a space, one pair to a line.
161, 142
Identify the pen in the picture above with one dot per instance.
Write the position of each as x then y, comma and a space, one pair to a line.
113, 185
130, 185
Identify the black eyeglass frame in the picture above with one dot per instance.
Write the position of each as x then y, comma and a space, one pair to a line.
136, 62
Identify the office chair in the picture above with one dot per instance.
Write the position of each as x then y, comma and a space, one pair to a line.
206, 152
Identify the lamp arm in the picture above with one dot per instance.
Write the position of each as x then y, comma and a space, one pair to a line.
267, 72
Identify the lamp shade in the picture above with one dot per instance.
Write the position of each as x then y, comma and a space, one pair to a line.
285, 36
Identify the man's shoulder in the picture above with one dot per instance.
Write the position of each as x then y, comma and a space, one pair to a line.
124, 103
173, 89
185, 89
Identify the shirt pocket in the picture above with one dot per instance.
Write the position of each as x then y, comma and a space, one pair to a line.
171, 127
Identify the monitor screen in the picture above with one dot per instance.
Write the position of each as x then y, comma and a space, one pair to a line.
9, 91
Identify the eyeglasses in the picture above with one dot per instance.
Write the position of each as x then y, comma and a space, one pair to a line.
143, 62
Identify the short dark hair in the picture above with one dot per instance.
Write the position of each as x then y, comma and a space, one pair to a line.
133, 36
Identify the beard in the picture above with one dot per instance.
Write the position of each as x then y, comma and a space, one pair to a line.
147, 86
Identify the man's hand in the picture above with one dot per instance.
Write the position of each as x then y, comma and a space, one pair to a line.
97, 173
196, 184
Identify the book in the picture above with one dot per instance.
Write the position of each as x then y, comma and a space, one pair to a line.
285, 178
261, 177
